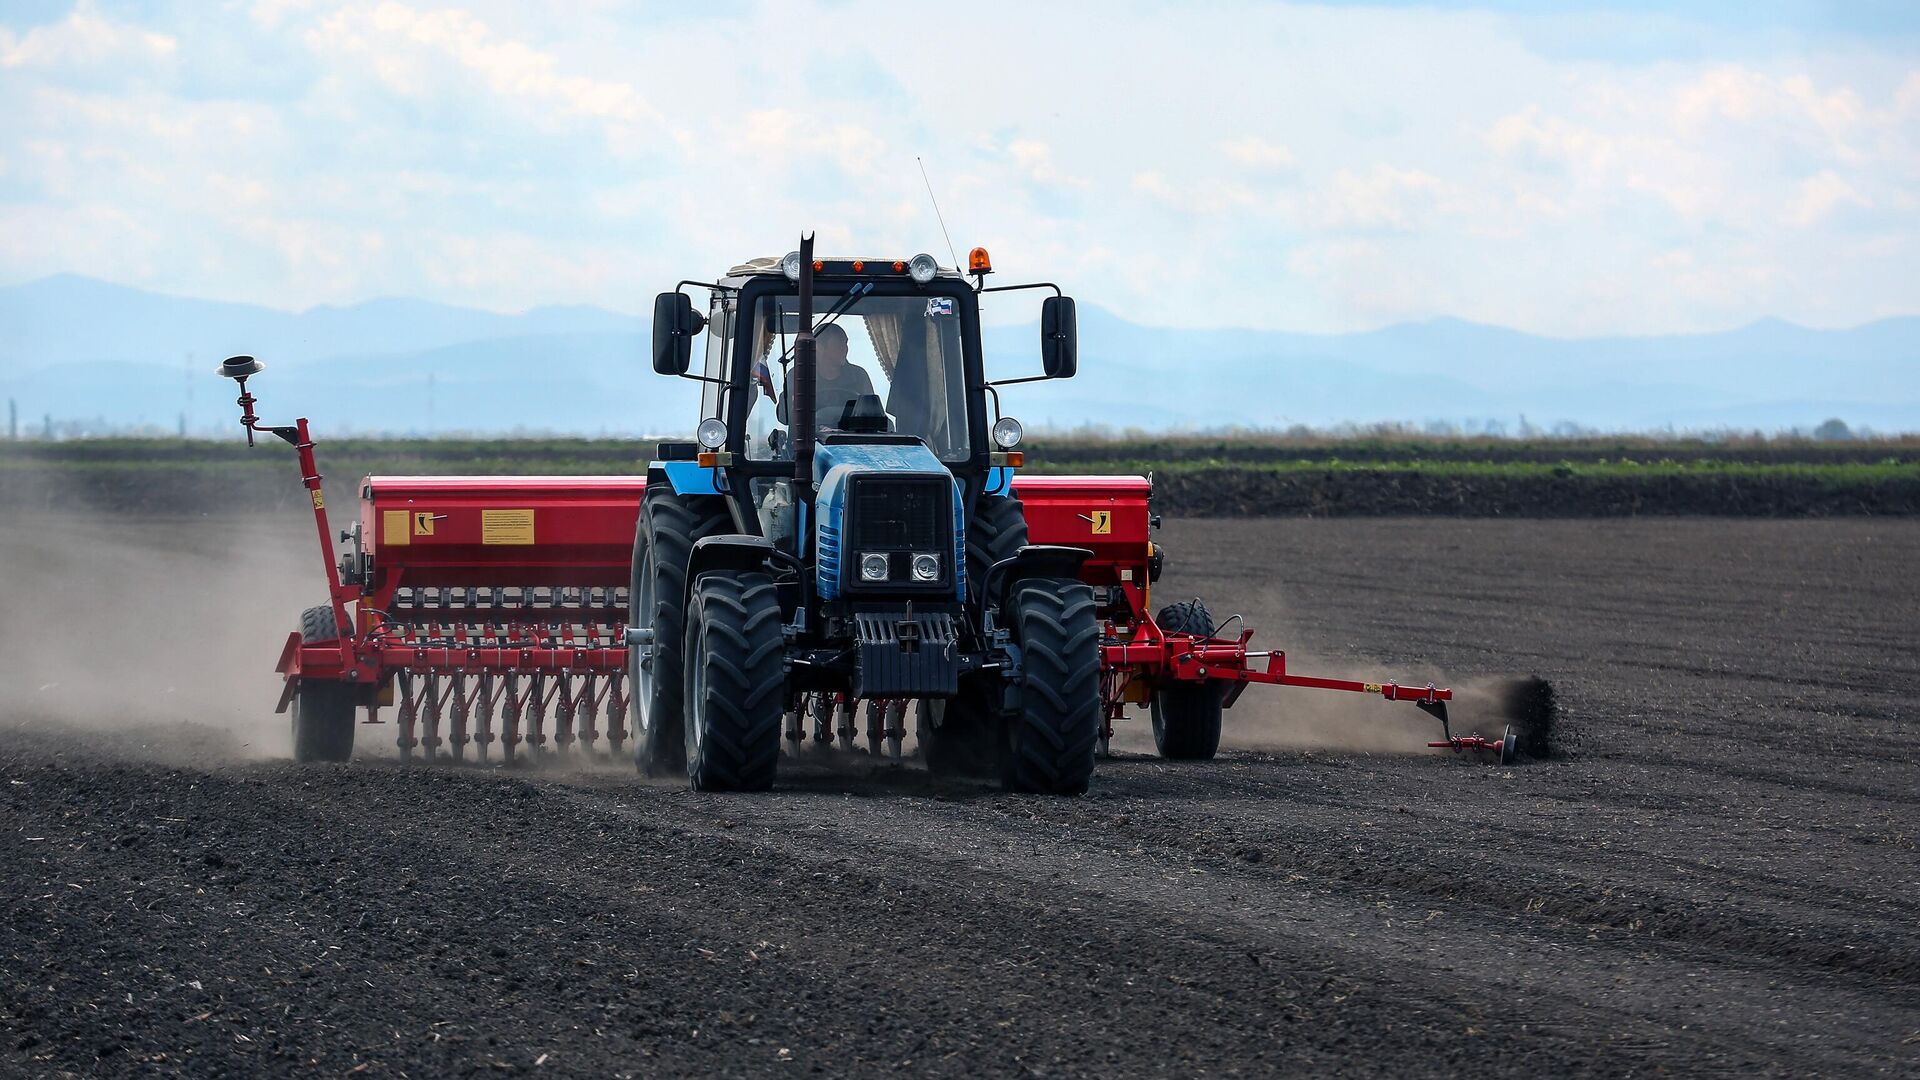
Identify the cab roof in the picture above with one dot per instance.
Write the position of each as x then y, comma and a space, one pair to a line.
769, 265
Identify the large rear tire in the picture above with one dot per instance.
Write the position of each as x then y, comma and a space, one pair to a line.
322, 708
735, 682
1051, 739
663, 541
1186, 716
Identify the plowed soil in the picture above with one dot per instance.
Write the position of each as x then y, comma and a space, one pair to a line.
1717, 874
1387, 492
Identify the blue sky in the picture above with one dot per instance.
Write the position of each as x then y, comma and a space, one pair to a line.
1574, 169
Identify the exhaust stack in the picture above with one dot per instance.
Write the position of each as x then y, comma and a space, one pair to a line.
802, 389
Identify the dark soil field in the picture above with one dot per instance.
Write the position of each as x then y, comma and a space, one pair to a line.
1717, 875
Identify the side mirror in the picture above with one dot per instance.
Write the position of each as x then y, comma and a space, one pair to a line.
1059, 338
674, 325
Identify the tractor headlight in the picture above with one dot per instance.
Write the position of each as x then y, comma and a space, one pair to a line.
873, 567
1007, 432
790, 266
922, 267
712, 433
926, 567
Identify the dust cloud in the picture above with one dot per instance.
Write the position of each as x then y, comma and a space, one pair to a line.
1293, 717
151, 631
1297, 718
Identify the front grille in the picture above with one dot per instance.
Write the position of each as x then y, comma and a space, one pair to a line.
900, 515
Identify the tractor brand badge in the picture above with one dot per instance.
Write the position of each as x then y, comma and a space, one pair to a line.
1102, 522
939, 305
423, 522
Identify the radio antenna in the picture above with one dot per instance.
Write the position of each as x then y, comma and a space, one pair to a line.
936, 211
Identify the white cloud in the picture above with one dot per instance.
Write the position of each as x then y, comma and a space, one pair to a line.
1727, 147
1035, 159
1380, 198
1819, 195
1204, 196
785, 138
1906, 100
1743, 95
1388, 164
84, 39
1257, 153
1552, 139
409, 50
1605, 166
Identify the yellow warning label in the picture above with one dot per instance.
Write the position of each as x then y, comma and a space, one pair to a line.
393, 527
319, 501
423, 522
1102, 522
506, 526
1370, 687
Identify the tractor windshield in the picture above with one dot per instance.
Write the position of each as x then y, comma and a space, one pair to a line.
903, 349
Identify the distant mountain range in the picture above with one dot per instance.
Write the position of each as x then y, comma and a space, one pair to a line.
91, 354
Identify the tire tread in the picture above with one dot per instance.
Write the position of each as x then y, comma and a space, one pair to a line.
734, 629
1050, 749
1187, 715
323, 709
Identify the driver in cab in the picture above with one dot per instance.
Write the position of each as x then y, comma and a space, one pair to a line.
836, 380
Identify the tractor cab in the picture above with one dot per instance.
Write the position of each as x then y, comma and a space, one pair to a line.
904, 332
886, 364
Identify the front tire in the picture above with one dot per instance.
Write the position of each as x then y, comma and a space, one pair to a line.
735, 690
1187, 715
322, 708
656, 597
1051, 739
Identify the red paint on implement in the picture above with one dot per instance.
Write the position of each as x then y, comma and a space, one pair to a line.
576, 534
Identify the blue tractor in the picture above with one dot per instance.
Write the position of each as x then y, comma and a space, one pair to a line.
843, 532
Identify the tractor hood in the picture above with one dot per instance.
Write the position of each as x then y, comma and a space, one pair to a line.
888, 496
902, 456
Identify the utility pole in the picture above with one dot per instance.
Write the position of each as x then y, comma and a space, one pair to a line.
429, 404
13, 420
